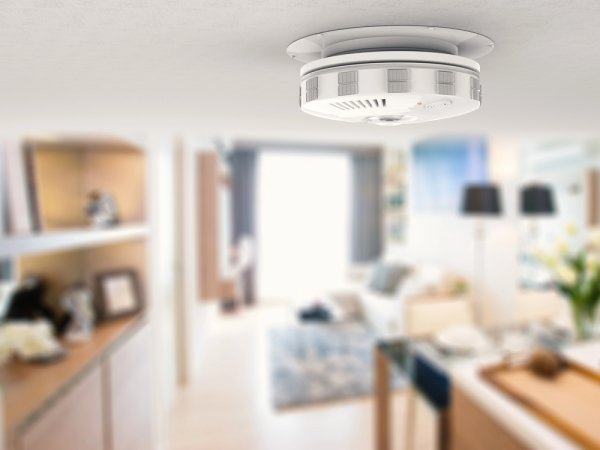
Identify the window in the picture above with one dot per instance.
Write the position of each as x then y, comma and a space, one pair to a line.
303, 227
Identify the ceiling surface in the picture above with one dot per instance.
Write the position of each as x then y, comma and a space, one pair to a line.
221, 65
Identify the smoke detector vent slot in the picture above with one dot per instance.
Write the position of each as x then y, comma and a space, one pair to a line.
312, 89
475, 89
445, 82
398, 82
360, 104
348, 83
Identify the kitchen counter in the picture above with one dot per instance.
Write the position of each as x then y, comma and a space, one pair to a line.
480, 414
28, 389
517, 421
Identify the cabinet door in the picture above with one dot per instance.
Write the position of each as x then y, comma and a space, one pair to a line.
130, 394
473, 429
74, 422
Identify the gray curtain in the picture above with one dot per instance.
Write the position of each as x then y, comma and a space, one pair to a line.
243, 177
366, 206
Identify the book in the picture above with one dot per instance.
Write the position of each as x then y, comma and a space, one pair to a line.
3, 198
32, 193
8, 284
19, 213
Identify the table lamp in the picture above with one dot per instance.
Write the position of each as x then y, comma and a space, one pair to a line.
537, 200
480, 201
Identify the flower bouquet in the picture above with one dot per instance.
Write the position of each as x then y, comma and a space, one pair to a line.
575, 270
29, 341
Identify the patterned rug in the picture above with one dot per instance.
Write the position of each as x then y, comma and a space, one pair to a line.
315, 363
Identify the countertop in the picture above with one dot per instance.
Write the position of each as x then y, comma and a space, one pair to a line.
527, 428
29, 388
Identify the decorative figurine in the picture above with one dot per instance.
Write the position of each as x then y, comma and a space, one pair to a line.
77, 303
101, 209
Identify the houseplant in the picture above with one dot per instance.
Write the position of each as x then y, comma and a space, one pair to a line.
575, 270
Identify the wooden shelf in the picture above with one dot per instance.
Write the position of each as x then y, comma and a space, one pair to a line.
29, 389
70, 239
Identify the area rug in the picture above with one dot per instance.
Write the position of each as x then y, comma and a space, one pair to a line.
317, 363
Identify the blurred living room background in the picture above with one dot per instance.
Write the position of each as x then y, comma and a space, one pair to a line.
257, 264
187, 262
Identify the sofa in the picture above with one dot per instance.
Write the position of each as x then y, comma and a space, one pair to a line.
425, 299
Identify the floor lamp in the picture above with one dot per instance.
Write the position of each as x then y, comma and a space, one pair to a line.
480, 201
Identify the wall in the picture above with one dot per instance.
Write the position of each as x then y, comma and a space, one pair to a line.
163, 269
448, 240
193, 317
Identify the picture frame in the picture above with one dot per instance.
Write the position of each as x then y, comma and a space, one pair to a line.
118, 294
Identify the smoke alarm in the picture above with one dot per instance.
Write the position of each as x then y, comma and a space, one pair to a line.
390, 75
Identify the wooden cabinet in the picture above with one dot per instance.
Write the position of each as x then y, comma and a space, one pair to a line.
74, 422
473, 429
110, 407
129, 396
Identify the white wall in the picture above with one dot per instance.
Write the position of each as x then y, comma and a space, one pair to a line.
163, 260
193, 317
448, 240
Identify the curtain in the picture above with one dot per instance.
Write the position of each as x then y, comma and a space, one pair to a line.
243, 177
366, 207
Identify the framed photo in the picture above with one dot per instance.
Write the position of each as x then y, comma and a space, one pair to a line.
118, 294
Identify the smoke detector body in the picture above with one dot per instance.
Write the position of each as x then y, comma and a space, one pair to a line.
390, 75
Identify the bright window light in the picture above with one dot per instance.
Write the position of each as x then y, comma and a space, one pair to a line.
303, 226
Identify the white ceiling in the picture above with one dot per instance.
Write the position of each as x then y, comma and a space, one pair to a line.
221, 66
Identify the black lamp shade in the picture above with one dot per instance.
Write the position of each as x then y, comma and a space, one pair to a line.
537, 200
481, 199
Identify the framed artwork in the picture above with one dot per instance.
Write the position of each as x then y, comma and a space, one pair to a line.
118, 294
441, 168
395, 195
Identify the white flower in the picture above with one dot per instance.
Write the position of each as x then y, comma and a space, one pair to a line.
562, 247
27, 340
592, 265
591, 261
566, 275
572, 229
551, 262
594, 239
548, 260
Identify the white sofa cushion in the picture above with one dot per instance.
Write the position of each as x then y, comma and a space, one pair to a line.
389, 315
383, 313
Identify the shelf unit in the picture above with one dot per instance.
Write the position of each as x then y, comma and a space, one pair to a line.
67, 250
54, 241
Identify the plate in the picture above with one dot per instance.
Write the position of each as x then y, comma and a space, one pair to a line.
462, 340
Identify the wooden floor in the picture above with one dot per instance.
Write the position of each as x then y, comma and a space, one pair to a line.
228, 406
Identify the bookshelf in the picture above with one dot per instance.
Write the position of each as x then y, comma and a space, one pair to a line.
63, 248
70, 239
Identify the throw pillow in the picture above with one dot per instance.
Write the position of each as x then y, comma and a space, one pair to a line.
387, 278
